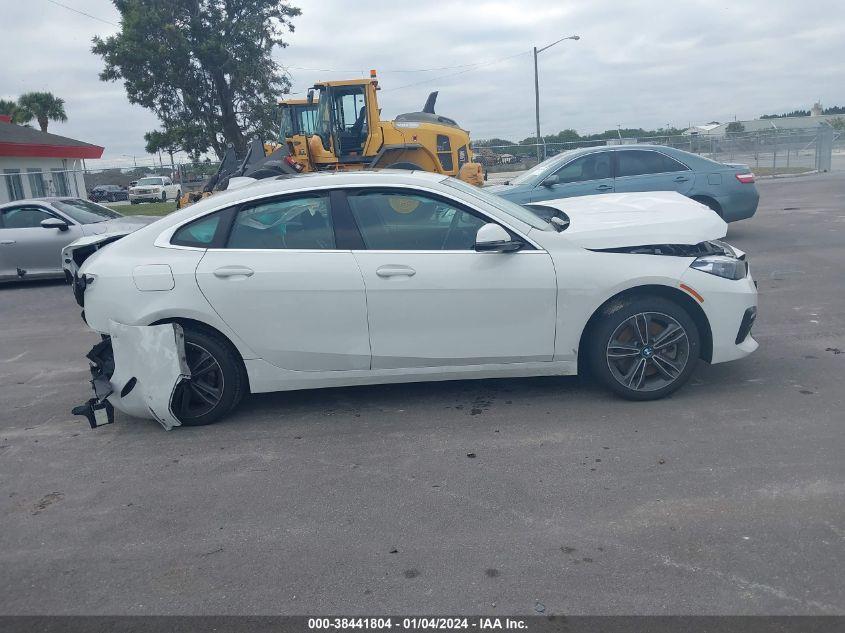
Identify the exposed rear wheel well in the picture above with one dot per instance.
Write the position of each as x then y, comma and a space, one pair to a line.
199, 325
710, 202
674, 295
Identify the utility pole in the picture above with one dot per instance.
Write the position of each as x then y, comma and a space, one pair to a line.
537, 102
537, 51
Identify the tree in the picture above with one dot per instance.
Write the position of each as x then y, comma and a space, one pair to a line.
43, 107
734, 128
169, 142
838, 123
10, 108
203, 66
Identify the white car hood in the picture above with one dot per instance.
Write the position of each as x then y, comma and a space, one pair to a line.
615, 220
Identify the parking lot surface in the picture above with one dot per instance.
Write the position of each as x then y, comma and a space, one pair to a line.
501, 496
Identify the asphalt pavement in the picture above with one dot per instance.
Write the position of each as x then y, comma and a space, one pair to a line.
496, 497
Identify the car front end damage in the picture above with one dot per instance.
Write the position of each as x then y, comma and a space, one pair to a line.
138, 370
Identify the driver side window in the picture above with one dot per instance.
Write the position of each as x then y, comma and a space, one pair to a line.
23, 217
589, 167
393, 220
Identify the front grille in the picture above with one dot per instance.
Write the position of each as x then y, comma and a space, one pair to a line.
747, 323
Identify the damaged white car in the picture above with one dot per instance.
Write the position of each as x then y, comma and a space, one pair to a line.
375, 277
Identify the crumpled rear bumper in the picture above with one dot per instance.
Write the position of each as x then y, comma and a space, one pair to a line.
137, 370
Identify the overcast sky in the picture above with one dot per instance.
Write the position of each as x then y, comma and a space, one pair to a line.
638, 63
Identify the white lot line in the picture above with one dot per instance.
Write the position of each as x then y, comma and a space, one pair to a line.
732, 579
749, 585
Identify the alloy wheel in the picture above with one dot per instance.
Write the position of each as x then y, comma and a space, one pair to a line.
648, 351
202, 392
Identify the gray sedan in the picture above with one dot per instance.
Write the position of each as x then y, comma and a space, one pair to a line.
728, 189
33, 233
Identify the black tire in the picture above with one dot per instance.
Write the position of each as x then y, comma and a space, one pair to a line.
133, 202
409, 166
191, 402
638, 369
164, 196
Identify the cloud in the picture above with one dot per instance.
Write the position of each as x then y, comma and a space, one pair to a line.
639, 63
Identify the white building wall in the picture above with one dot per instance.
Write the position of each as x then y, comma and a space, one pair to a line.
71, 167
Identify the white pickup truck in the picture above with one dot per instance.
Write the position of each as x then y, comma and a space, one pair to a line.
154, 189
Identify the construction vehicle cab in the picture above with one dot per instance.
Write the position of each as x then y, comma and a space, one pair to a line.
296, 118
350, 134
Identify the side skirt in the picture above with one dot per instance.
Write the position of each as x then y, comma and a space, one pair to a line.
264, 377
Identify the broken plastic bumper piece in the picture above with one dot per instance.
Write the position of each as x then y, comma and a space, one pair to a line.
136, 369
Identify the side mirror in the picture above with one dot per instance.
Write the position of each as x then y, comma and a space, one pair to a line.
492, 238
551, 181
54, 223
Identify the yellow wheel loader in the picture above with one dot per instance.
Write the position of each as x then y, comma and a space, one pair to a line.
339, 127
349, 134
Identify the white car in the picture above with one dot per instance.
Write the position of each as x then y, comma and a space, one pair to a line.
154, 189
360, 278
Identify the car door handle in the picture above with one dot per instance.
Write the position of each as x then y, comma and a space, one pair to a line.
5, 242
395, 271
233, 271
604, 187
681, 179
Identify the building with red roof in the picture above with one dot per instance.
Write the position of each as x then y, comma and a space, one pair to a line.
34, 164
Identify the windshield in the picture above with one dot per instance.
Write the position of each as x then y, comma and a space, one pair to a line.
542, 168
85, 212
506, 206
150, 181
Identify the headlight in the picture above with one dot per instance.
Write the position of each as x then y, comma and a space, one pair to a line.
721, 266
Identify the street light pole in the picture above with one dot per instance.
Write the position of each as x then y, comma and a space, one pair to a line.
537, 51
537, 102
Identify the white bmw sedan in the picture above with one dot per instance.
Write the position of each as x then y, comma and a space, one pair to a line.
374, 277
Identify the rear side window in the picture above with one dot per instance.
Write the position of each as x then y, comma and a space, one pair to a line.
641, 162
199, 233
292, 223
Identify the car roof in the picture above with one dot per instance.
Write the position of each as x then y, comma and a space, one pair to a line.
314, 180
42, 200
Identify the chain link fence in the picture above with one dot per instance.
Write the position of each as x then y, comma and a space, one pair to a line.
768, 152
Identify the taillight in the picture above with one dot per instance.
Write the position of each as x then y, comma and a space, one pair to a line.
745, 179
293, 163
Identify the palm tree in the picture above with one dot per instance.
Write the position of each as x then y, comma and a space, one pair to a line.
11, 108
43, 107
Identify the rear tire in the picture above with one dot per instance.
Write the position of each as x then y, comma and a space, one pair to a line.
643, 348
409, 166
218, 379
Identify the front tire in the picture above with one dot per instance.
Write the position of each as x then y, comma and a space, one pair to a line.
643, 348
218, 380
